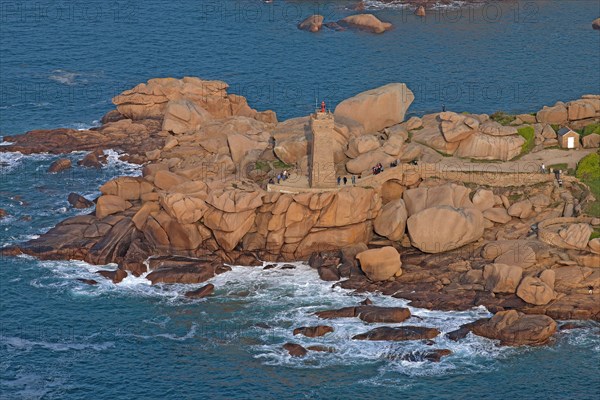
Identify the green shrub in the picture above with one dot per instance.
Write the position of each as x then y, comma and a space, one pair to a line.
502, 118
592, 128
556, 127
528, 134
588, 168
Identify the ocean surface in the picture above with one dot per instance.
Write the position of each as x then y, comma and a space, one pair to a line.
62, 61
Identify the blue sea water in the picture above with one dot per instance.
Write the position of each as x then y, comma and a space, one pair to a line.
62, 61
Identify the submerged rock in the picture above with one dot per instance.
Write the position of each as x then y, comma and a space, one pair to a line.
59, 165
116, 276
312, 23
78, 201
429, 355
313, 331
201, 292
295, 350
399, 333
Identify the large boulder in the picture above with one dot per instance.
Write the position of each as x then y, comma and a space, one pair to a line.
365, 22
444, 228
591, 141
378, 108
596, 24
581, 109
537, 291
557, 114
456, 127
312, 24
577, 235
502, 278
109, 204
486, 147
513, 328
380, 264
419, 199
391, 223
184, 116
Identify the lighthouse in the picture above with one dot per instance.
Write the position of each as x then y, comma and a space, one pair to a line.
321, 163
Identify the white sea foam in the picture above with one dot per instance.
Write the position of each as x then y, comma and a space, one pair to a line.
64, 77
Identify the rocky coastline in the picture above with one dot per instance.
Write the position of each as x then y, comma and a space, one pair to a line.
458, 218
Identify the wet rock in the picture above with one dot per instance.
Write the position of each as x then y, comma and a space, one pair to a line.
322, 349
295, 350
288, 266
78, 201
95, 159
328, 273
262, 325
116, 276
513, 328
88, 281
567, 326
269, 266
59, 165
313, 331
375, 314
346, 312
366, 302
430, 355
402, 333
3, 213
201, 293
184, 270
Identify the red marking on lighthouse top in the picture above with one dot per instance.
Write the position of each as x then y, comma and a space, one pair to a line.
323, 106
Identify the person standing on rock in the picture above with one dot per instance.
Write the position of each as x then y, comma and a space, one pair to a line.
543, 168
354, 179
339, 179
345, 181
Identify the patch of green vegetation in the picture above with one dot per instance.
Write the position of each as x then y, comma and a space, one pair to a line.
562, 166
588, 171
281, 165
595, 234
442, 153
514, 197
502, 118
528, 134
556, 127
592, 128
262, 166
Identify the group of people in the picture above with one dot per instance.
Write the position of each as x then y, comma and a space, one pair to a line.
282, 176
556, 173
377, 169
345, 180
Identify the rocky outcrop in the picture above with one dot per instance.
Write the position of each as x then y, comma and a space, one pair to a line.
377, 109
591, 141
502, 278
380, 264
59, 165
313, 331
443, 228
312, 23
78, 201
202, 292
391, 222
513, 328
401, 333
365, 22
596, 24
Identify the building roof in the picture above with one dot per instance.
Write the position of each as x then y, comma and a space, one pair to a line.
564, 130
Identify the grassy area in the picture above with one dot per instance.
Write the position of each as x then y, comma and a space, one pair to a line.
588, 171
592, 128
262, 166
528, 134
278, 164
595, 234
562, 167
502, 118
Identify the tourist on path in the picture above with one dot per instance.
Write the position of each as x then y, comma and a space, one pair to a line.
339, 179
345, 181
